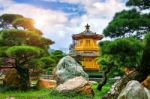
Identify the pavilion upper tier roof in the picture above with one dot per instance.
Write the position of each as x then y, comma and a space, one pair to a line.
87, 34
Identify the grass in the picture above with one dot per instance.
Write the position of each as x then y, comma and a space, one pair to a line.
30, 94
99, 94
40, 94
49, 94
68, 95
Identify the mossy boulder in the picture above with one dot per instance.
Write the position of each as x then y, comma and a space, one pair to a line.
68, 68
12, 78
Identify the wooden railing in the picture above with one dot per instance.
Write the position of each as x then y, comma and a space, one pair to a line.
46, 76
5, 67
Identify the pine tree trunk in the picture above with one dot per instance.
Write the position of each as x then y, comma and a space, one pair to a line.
24, 75
104, 80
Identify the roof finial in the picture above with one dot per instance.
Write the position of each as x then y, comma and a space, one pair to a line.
87, 27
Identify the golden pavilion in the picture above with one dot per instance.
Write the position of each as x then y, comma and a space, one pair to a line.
85, 45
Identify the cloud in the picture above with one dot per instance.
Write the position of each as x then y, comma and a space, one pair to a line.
5, 3
108, 8
58, 26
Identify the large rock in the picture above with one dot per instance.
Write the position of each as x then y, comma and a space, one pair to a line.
77, 84
45, 83
68, 68
12, 78
134, 90
146, 82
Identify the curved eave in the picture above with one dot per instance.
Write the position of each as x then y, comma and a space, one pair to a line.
80, 36
89, 55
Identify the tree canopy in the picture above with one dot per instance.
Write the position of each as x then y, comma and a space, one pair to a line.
24, 51
128, 23
122, 52
145, 63
7, 19
48, 64
16, 21
132, 22
26, 23
18, 30
12, 37
57, 55
142, 4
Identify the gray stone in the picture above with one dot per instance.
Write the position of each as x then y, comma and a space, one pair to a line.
134, 90
93, 82
77, 84
68, 68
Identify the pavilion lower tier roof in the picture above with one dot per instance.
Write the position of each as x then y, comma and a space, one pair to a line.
84, 54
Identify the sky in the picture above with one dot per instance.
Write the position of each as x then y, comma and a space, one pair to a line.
60, 19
